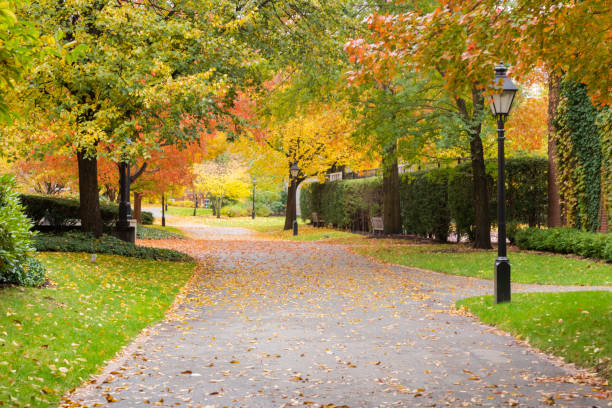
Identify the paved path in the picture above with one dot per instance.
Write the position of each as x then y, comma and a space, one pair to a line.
276, 324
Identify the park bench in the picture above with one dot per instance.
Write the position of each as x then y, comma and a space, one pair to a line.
316, 221
377, 225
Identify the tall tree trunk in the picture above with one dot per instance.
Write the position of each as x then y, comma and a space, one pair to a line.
89, 210
219, 205
482, 233
290, 210
392, 219
482, 223
138, 207
554, 200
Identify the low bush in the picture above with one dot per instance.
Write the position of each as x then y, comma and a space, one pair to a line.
235, 210
85, 242
16, 264
65, 211
179, 203
147, 218
566, 241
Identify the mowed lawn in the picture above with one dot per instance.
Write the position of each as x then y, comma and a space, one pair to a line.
575, 325
527, 267
52, 339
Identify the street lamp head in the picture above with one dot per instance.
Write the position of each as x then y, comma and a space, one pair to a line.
254, 179
294, 170
504, 91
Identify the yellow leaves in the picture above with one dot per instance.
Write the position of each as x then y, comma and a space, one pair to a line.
235, 362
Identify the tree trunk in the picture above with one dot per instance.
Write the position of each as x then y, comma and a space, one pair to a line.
219, 205
482, 223
138, 207
482, 233
89, 210
554, 200
392, 219
290, 210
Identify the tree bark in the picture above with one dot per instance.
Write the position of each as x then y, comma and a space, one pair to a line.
89, 210
392, 218
138, 207
290, 210
554, 199
482, 223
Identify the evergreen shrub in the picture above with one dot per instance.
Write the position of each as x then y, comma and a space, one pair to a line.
566, 241
16, 264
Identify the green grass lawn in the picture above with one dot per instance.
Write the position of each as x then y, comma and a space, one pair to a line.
186, 211
575, 325
527, 267
52, 339
260, 224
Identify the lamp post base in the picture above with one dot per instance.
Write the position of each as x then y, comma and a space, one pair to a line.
502, 280
126, 232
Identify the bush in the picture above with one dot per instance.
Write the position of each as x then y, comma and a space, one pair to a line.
431, 199
424, 198
235, 210
85, 242
16, 264
566, 241
147, 218
344, 204
61, 211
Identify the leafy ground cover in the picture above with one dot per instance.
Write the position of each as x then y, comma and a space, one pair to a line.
573, 325
80, 242
527, 267
52, 339
158, 232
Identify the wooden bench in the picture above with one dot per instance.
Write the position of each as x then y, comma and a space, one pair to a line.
316, 221
377, 225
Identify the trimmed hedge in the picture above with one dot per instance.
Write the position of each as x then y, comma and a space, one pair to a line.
65, 211
344, 204
85, 242
566, 241
431, 200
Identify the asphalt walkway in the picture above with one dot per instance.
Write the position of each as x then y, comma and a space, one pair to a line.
269, 323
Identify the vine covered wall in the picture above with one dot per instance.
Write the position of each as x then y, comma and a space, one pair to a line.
579, 151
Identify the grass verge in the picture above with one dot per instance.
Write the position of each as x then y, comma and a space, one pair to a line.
53, 338
186, 211
527, 267
572, 325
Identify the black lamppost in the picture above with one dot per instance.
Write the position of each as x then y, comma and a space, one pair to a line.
500, 103
294, 170
125, 213
253, 214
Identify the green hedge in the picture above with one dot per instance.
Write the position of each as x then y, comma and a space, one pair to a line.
425, 206
84, 242
65, 211
344, 204
566, 241
16, 263
431, 200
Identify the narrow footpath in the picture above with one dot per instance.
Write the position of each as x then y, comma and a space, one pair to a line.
271, 324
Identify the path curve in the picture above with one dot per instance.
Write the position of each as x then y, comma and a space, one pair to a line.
268, 323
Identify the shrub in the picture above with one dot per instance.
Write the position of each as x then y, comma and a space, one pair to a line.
61, 211
147, 218
85, 242
566, 241
16, 264
424, 198
235, 210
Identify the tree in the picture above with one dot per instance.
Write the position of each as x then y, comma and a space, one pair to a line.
152, 72
225, 177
